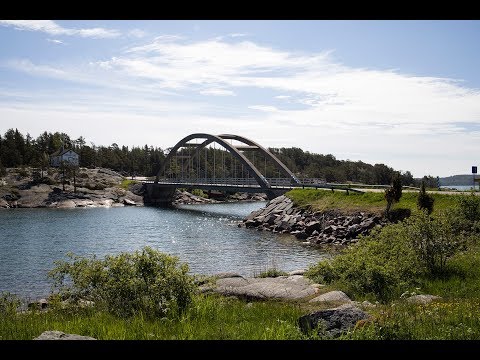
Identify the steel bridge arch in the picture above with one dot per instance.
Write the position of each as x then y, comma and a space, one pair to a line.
221, 140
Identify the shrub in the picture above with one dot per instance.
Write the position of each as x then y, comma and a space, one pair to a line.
424, 200
469, 207
433, 239
146, 281
9, 304
200, 193
381, 265
273, 272
466, 214
394, 192
394, 258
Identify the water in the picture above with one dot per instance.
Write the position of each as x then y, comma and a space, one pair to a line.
204, 236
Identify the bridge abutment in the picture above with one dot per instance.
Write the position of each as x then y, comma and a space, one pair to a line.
156, 195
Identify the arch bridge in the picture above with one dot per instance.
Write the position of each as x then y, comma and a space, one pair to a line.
224, 162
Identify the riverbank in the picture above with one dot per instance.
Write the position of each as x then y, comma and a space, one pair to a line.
99, 187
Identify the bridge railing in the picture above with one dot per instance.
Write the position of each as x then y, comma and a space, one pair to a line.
242, 181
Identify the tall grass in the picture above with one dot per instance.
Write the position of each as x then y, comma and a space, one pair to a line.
209, 318
441, 320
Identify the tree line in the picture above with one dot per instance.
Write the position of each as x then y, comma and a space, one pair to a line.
17, 150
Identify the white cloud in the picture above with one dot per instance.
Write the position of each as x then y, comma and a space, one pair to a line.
52, 28
56, 41
266, 108
217, 92
405, 121
234, 35
138, 33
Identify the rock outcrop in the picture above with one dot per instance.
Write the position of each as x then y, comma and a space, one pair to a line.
328, 227
422, 299
93, 188
293, 287
332, 322
332, 296
59, 335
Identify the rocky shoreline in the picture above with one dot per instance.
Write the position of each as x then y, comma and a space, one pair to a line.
280, 215
97, 187
93, 188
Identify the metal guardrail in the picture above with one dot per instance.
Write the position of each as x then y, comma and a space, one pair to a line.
275, 183
240, 181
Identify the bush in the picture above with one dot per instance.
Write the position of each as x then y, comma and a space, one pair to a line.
393, 259
424, 200
469, 207
273, 272
466, 214
380, 266
147, 282
9, 304
200, 193
394, 192
433, 239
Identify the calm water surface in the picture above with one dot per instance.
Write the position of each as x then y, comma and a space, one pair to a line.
204, 236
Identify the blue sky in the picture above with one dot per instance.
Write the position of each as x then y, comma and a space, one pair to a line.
402, 93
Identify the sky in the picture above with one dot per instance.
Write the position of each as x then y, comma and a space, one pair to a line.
405, 93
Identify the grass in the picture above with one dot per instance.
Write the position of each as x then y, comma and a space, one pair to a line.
440, 320
210, 318
126, 183
323, 200
461, 278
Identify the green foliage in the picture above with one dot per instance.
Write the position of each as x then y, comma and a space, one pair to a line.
469, 207
424, 200
394, 192
442, 320
126, 183
323, 200
199, 192
273, 272
381, 266
394, 258
460, 278
208, 317
9, 304
146, 281
433, 239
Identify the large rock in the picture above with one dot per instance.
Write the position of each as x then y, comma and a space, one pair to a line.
332, 322
59, 335
283, 287
66, 204
422, 299
337, 296
4, 203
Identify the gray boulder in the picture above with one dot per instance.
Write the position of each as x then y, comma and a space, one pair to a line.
66, 204
129, 202
422, 299
4, 203
332, 322
293, 287
59, 335
331, 296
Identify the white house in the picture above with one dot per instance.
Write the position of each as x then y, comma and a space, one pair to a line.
67, 156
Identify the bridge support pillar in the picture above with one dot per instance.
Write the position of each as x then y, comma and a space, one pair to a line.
156, 195
272, 194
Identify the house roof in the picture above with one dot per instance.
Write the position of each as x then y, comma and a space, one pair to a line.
61, 152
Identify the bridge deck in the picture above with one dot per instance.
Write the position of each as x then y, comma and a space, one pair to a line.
247, 186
